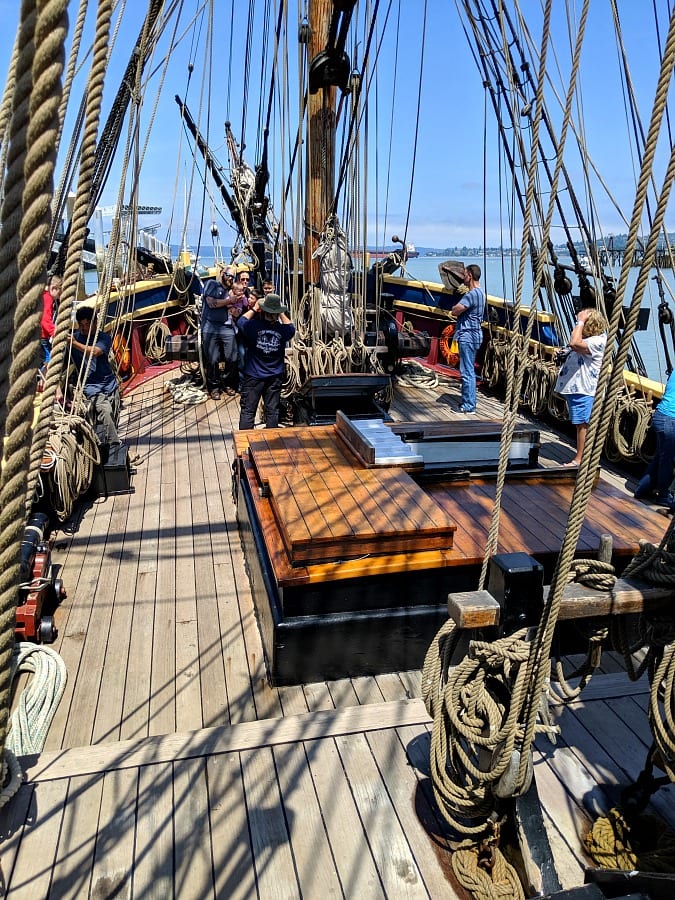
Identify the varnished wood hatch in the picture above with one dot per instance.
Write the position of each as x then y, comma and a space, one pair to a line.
348, 491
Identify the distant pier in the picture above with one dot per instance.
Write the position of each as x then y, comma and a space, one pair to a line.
662, 259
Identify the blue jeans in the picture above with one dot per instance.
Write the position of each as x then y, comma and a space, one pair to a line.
219, 344
468, 350
659, 472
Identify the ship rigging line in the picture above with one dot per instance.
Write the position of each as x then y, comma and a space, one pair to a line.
344, 162
417, 129
611, 377
23, 253
516, 367
635, 113
247, 69
78, 231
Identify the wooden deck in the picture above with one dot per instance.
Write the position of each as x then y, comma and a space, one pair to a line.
172, 766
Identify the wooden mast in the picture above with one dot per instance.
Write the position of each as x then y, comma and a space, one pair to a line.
320, 168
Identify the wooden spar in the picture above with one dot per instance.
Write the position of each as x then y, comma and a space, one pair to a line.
320, 182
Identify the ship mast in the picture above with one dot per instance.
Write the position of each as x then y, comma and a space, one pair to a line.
320, 179
329, 68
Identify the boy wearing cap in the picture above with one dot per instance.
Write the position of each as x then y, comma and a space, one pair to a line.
266, 336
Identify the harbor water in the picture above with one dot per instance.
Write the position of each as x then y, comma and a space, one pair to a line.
500, 281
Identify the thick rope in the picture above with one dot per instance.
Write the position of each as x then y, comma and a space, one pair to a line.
70, 457
6, 109
59, 200
600, 417
646, 844
475, 740
185, 390
31, 162
500, 882
517, 362
35, 711
76, 243
662, 710
72, 64
40, 698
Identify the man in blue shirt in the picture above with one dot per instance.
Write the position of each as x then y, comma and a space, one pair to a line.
218, 330
266, 329
469, 335
101, 387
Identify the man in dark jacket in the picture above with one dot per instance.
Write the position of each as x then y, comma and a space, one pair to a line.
266, 329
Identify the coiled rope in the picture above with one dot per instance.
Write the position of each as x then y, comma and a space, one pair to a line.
39, 700
645, 844
541, 378
415, 375
185, 390
73, 453
155, 341
34, 713
631, 421
475, 739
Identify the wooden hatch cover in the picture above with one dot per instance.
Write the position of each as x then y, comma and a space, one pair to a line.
328, 506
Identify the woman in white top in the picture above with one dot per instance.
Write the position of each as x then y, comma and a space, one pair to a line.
578, 376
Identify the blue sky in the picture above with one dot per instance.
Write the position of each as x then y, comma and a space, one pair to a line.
447, 201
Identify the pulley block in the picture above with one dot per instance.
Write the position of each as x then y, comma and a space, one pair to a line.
329, 68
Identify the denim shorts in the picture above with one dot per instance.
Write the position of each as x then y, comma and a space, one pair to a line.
580, 406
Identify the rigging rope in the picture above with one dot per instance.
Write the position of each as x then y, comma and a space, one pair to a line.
78, 234
602, 412
24, 238
516, 368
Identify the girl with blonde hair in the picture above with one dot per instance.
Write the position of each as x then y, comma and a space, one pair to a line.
579, 373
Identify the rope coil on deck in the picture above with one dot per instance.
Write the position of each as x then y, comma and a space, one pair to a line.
414, 375
500, 881
646, 844
475, 738
37, 706
39, 700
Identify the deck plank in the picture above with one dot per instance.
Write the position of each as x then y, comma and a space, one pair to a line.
317, 877
249, 693
162, 707
193, 865
74, 860
86, 689
114, 853
81, 609
208, 507
135, 711
118, 652
403, 788
351, 851
154, 850
272, 856
232, 855
13, 818
32, 873
395, 862
187, 686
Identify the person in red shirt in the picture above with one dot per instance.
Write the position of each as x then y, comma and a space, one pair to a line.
50, 305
